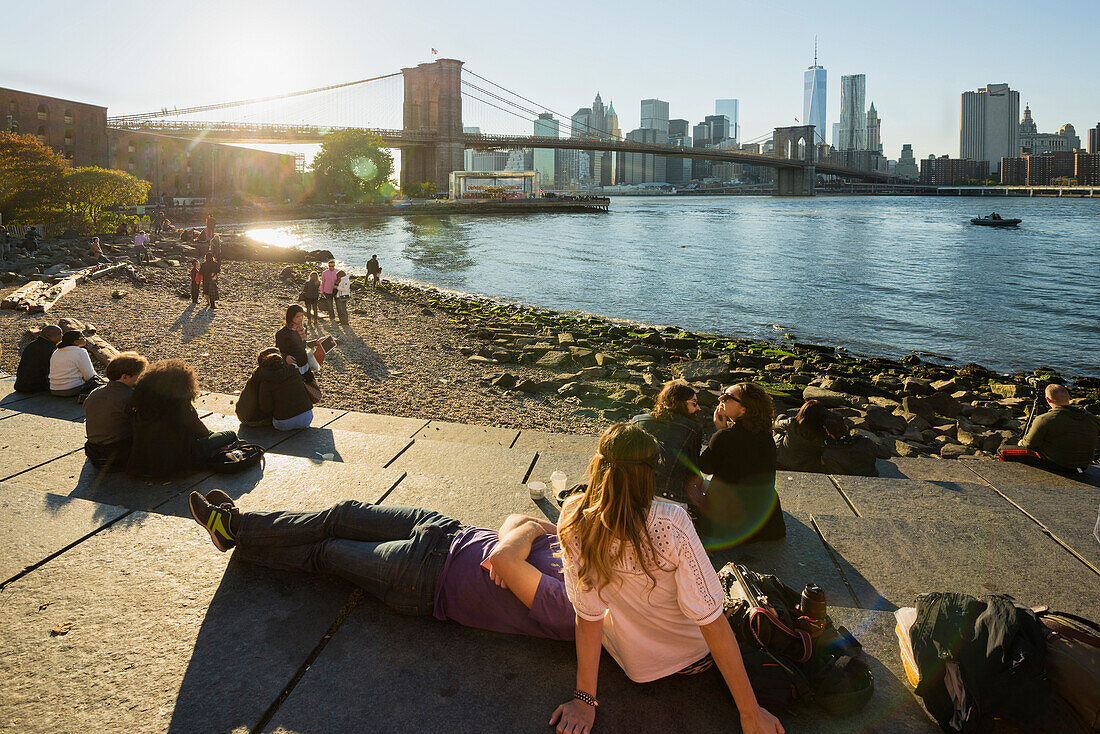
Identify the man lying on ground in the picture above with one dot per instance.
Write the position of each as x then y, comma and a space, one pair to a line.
1061, 440
415, 561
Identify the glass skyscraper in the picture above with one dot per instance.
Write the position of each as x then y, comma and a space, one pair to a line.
814, 96
729, 108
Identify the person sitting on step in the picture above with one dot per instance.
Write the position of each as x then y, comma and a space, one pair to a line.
109, 419
414, 560
72, 373
33, 372
1061, 440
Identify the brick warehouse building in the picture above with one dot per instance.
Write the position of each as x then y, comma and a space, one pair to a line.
76, 130
182, 167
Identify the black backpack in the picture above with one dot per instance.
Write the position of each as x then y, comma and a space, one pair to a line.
790, 657
235, 457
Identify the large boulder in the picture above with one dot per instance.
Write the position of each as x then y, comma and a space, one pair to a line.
984, 416
555, 360
944, 404
880, 419
704, 369
1011, 390
920, 406
828, 398
916, 386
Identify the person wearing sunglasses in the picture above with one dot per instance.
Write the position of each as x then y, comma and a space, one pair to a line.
741, 504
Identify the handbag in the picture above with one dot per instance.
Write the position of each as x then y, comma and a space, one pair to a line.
313, 391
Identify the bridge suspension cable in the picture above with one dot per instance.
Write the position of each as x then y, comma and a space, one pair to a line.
240, 103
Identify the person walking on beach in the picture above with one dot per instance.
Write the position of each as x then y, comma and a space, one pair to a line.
196, 281
208, 233
311, 293
343, 295
374, 270
209, 273
141, 254
328, 288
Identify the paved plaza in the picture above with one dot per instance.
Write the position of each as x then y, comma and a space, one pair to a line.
168, 635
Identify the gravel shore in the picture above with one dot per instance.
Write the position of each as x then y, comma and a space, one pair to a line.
395, 357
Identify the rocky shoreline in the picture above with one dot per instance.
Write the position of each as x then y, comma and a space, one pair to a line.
612, 370
587, 369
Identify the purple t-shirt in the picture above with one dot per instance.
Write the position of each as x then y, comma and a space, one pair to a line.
465, 593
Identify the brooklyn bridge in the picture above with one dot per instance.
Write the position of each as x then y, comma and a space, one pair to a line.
431, 136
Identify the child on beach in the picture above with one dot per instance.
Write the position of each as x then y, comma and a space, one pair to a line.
311, 293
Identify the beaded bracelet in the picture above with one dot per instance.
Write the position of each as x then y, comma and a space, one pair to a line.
585, 698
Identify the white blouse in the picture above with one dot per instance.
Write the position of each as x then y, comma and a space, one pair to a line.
652, 631
343, 288
70, 367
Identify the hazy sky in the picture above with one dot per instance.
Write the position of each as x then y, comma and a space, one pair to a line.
918, 56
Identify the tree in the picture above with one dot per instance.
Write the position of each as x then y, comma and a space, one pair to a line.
92, 193
353, 163
424, 190
30, 177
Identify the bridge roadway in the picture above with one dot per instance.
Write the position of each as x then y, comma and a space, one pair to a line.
271, 133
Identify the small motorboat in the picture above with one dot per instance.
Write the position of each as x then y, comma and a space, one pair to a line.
991, 222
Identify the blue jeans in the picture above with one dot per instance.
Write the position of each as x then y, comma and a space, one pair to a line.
392, 552
302, 420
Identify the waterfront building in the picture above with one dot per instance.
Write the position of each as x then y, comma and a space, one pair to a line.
678, 129
907, 164
468, 153
1094, 139
520, 159
1086, 168
946, 171
814, 97
489, 160
544, 160
836, 136
1073, 141
1013, 171
989, 128
853, 115
678, 170
181, 167
731, 108
874, 130
76, 130
1044, 169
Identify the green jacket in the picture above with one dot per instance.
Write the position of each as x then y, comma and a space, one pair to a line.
1066, 435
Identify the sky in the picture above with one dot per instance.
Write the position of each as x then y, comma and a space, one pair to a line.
918, 56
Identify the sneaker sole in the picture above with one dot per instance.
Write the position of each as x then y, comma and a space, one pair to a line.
194, 516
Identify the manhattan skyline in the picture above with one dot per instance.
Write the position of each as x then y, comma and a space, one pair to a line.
154, 56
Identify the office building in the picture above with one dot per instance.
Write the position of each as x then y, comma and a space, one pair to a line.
874, 131
678, 170
1087, 168
945, 171
989, 127
852, 134
814, 98
468, 153
1094, 139
489, 160
679, 129
639, 168
76, 130
907, 164
545, 159
655, 117
1013, 171
1033, 142
731, 108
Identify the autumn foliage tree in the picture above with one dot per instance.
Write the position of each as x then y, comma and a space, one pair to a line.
354, 164
93, 194
31, 178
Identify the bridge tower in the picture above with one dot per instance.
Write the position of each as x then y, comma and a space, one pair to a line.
433, 103
795, 143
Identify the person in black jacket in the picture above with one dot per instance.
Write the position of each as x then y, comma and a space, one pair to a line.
800, 440
209, 271
168, 435
291, 341
248, 403
741, 504
33, 372
675, 424
282, 393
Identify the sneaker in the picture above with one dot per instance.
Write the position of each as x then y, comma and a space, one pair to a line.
218, 498
217, 521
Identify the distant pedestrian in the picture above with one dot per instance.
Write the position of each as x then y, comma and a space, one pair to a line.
311, 293
343, 295
374, 270
328, 288
141, 241
4, 250
196, 281
216, 248
208, 233
209, 271
95, 249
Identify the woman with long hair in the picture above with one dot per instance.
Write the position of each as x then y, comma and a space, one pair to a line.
640, 582
741, 504
169, 437
674, 422
800, 440
291, 341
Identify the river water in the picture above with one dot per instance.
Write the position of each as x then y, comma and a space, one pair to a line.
880, 275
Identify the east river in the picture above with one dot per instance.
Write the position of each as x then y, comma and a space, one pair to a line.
881, 276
